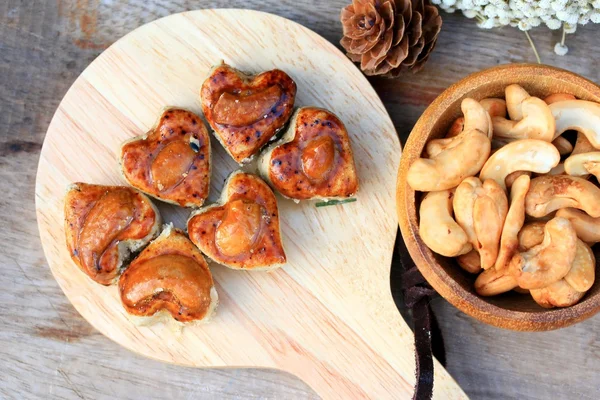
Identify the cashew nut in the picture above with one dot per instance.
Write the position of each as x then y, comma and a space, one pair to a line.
558, 170
557, 294
523, 155
512, 177
556, 97
594, 168
489, 214
531, 235
550, 193
583, 164
537, 122
463, 204
502, 127
480, 210
476, 117
582, 274
494, 106
438, 229
549, 261
580, 115
582, 145
515, 95
456, 128
572, 287
463, 158
492, 282
436, 146
587, 228
563, 145
470, 262
509, 242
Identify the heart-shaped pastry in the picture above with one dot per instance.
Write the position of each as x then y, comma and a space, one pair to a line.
172, 161
170, 278
313, 159
104, 224
246, 111
241, 231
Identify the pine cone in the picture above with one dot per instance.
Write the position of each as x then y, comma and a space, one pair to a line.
387, 36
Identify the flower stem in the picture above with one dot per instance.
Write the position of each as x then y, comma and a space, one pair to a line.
562, 41
537, 56
335, 202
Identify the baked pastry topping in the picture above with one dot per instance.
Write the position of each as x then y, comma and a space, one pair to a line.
172, 161
103, 224
246, 111
169, 278
313, 159
242, 230
239, 229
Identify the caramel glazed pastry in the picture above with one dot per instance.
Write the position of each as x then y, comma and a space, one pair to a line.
313, 159
172, 161
169, 281
246, 111
104, 224
242, 230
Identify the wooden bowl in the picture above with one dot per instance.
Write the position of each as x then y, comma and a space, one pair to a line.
510, 310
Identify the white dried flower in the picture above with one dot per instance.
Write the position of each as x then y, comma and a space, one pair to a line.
534, 21
584, 19
487, 23
470, 13
558, 5
561, 49
530, 12
490, 11
518, 14
566, 16
524, 25
502, 13
553, 24
527, 14
570, 28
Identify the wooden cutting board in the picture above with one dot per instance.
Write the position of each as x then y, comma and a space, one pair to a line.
328, 315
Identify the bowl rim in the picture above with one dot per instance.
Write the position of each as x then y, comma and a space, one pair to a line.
424, 259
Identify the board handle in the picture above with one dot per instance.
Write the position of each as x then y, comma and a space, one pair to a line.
417, 295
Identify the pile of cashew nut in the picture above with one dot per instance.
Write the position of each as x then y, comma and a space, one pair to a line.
512, 199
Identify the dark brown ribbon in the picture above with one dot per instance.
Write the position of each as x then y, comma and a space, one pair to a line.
417, 295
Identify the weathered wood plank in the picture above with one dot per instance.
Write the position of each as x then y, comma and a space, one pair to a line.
49, 351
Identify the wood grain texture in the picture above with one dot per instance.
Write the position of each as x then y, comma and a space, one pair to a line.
328, 316
49, 351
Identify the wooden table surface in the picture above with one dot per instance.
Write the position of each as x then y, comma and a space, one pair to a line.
49, 351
